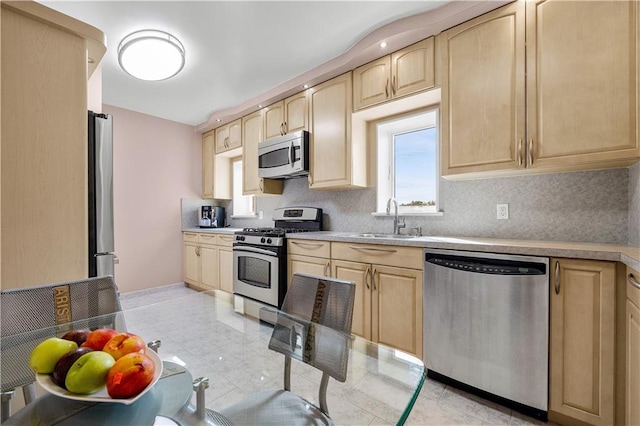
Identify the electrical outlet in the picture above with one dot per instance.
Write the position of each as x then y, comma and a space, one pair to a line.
503, 211
260, 214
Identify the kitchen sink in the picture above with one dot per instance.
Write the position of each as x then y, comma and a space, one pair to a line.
390, 236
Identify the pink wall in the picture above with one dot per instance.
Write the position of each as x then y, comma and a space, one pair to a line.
156, 162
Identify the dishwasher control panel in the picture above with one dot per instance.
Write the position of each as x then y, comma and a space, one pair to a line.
486, 266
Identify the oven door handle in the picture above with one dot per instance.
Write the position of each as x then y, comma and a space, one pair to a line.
255, 250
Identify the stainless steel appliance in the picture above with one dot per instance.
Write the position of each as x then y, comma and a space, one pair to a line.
486, 325
260, 254
101, 255
285, 156
211, 217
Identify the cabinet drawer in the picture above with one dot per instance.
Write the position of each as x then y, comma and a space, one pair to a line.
633, 292
403, 257
207, 238
225, 240
309, 248
190, 237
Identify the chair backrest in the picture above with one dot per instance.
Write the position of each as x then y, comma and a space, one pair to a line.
46, 311
314, 300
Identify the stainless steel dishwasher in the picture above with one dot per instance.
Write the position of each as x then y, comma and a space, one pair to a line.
486, 325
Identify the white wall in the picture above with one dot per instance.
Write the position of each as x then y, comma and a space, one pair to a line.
156, 163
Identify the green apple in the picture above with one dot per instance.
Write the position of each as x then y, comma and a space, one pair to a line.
45, 356
89, 373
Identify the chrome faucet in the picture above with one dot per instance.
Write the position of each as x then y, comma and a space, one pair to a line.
398, 222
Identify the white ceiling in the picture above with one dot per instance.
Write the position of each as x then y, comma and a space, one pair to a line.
236, 51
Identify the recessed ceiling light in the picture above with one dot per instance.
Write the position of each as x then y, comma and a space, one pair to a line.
218, 120
151, 55
383, 44
259, 106
306, 86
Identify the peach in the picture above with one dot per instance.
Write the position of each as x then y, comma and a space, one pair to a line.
124, 343
130, 375
98, 338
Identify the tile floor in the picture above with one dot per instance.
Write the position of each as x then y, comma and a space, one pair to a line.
437, 403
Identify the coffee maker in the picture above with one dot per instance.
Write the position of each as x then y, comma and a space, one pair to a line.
211, 217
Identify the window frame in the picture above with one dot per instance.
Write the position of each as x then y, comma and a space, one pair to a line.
252, 198
386, 129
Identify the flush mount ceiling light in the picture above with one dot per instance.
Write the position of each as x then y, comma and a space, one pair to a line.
151, 55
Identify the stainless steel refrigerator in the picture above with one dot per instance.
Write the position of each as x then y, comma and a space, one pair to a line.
100, 162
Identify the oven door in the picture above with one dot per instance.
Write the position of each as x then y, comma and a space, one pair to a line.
256, 274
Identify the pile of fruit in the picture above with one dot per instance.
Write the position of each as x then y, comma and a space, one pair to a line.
84, 361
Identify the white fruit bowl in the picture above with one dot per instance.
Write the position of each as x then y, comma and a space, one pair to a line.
47, 384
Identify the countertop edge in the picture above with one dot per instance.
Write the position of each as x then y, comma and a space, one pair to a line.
629, 255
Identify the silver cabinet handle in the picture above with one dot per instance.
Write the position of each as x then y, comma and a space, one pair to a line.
520, 152
327, 269
373, 249
530, 152
281, 130
300, 243
632, 280
260, 185
284, 128
366, 277
386, 88
393, 85
197, 251
557, 273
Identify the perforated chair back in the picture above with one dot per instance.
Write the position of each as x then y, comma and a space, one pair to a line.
43, 311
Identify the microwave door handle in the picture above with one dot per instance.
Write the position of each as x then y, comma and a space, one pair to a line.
291, 154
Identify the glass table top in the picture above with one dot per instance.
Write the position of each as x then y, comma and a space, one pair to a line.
202, 336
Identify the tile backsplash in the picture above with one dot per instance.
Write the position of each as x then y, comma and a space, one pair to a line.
594, 206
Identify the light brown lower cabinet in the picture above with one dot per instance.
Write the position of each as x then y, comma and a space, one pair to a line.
308, 257
208, 261
582, 341
632, 355
388, 305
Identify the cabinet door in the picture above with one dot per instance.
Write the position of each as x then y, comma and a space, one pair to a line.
225, 256
274, 120
208, 141
371, 83
582, 81
360, 273
413, 68
191, 263
222, 138
209, 267
252, 135
396, 316
308, 265
235, 134
581, 353
632, 405
330, 151
296, 113
483, 87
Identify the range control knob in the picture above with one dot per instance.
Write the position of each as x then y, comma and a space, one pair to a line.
268, 240
262, 240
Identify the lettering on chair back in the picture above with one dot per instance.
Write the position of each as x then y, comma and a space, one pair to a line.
316, 315
62, 303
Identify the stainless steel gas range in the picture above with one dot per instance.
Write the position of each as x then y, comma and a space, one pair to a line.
260, 254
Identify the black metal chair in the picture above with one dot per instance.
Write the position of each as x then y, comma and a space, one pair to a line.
310, 301
32, 314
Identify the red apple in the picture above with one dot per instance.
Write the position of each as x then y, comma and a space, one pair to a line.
124, 343
98, 338
130, 375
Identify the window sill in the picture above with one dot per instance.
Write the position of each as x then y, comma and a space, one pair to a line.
244, 216
384, 214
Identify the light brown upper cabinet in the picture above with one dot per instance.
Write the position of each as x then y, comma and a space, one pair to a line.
208, 142
44, 143
581, 341
581, 105
337, 161
287, 116
229, 136
251, 136
403, 72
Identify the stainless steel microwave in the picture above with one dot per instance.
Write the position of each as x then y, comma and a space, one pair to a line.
285, 156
